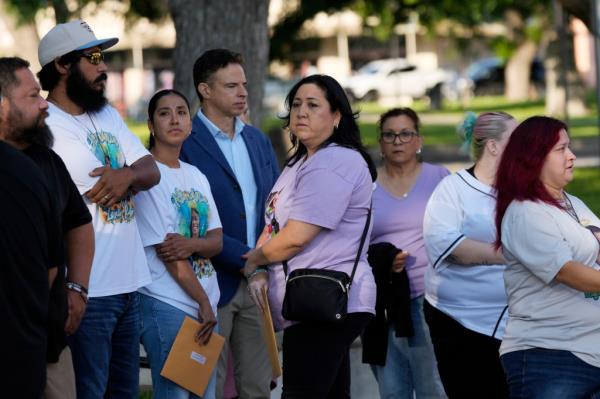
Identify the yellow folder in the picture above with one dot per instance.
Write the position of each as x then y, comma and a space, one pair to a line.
189, 363
269, 336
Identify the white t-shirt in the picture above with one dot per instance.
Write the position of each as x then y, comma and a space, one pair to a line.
86, 142
538, 239
463, 207
181, 203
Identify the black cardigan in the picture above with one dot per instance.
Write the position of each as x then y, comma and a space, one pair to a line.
393, 301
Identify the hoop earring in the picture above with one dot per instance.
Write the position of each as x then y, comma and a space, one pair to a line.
419, 151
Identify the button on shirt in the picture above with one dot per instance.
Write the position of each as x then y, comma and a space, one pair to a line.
237, 157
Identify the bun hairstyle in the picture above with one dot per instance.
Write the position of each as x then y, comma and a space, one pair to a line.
477, 130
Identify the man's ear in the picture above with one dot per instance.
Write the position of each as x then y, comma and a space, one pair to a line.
62, 69
204, 89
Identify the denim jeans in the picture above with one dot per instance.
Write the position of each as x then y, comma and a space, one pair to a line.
160, 323
106, 348
550, 374
410, 364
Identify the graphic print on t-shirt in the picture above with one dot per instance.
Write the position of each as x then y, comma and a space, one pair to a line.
192, 221
107, 150
271, 203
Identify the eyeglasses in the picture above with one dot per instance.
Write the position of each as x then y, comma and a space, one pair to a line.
94, 58
405, 137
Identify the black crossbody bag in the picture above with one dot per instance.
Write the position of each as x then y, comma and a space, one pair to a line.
318, 294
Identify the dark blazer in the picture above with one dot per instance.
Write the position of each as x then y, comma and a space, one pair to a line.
201, 150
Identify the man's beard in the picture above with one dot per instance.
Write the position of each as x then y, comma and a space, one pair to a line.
37, 133
81, 92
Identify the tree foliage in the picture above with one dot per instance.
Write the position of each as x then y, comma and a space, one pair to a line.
239, 25
464, 14
25, 10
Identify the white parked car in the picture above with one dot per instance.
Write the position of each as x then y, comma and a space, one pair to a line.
395, 77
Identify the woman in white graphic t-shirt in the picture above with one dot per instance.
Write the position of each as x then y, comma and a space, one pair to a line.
180, 229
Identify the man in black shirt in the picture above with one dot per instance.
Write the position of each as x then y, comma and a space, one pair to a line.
30, 249
27, 131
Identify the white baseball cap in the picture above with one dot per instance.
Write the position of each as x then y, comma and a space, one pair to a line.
67, 37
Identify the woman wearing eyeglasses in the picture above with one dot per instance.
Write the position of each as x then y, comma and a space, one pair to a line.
465, 300
404, 185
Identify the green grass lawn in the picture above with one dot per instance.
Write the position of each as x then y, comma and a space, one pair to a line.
140, 129
444, 133
435, 133
586, 186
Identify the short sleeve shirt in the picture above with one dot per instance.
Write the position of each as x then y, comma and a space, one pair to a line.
181, 203
86, 142
538, 239
399, 221
463, 207
30, 244
331, 189
73, 213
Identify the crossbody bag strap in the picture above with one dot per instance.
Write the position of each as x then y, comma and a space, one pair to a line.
363, 238
362, 244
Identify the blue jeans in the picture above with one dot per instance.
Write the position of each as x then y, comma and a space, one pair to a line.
410, 364
160, 325
106, 348
549, 374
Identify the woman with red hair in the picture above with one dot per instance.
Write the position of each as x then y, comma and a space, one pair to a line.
551, 345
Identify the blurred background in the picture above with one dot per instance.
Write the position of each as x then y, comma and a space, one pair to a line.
440, 57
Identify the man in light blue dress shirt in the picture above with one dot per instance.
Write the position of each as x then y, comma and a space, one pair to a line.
240, 165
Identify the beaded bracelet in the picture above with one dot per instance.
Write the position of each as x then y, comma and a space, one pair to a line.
257, 271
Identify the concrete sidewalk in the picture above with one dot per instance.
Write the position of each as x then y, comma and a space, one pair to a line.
363, 386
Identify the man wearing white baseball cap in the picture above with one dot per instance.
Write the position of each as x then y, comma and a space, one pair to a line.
108, 164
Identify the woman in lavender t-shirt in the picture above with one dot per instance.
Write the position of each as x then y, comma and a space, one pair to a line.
315, 217
404, 185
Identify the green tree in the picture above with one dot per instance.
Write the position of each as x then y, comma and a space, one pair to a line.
239, 25
526, 22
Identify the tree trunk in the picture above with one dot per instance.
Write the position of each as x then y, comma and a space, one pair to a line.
556, 91
237, 25
61, 11
517, 74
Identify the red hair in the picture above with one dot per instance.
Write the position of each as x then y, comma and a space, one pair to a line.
518, 175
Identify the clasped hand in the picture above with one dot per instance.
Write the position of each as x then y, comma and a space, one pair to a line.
399, 261
175, 247
112, 186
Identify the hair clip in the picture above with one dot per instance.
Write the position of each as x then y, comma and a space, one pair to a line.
465, 129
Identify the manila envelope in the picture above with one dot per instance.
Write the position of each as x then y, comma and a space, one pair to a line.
190, 364
269, 336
